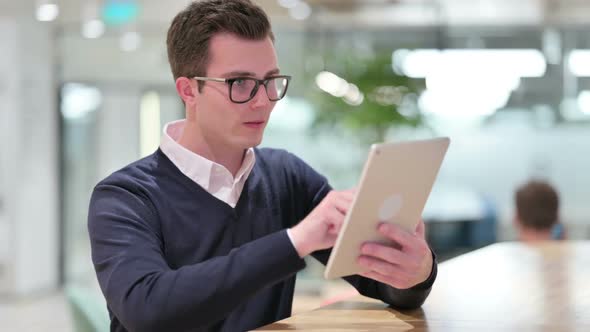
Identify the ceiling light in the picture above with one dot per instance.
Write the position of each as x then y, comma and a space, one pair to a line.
332, 83
520, 62
47, 12
301, 11
288, 3
353, 95
579, 62
93, 29
79, 100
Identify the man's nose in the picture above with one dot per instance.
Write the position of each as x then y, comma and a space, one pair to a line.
260, 98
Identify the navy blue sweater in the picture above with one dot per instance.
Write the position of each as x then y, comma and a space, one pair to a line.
169, 256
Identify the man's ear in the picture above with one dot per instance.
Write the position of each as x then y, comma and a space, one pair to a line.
186, 90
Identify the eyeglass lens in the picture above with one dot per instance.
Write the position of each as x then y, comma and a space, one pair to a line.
243, 89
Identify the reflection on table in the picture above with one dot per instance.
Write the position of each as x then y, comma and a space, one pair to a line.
503, 287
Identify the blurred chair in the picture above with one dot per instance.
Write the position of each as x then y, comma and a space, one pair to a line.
88, 309
558, 232
459, 220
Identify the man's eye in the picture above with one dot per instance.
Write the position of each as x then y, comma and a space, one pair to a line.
239, 82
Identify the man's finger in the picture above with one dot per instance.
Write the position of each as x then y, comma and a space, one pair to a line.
351, 191
336, 220
388, 254
383, 267
335, 216
335, 228
347, 195
388, 280
342, 204
397, 234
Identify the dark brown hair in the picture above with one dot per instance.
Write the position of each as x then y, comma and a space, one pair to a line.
192, 29
537, 205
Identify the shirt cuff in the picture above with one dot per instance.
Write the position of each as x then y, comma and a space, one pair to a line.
290, 237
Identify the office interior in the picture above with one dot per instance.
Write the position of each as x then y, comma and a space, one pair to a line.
85, 88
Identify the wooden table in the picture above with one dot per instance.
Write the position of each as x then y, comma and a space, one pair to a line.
503, 287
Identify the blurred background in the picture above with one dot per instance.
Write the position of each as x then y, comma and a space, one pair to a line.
85, 89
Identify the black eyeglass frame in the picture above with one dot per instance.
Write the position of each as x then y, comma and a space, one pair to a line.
230, 82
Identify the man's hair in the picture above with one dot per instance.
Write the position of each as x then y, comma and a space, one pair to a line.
192, 29
537, 205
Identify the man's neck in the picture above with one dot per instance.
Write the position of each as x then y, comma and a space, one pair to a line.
533, 235
192, 140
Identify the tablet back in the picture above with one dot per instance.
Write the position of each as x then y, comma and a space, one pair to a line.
395, 184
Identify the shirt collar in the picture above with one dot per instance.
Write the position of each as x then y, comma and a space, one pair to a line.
198, 168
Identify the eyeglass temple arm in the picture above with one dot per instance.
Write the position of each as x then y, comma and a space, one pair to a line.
209, 79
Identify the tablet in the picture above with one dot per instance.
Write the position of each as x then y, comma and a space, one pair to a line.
395, 184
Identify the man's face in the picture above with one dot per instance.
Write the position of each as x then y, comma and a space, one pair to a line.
222, 122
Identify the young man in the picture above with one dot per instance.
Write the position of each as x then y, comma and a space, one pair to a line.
537, 212
208, 232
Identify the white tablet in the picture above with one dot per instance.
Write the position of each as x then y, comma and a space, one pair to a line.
395, 184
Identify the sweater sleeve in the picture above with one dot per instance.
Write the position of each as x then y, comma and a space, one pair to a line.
145, 294
315, 188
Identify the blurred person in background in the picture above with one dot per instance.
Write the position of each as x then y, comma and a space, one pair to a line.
208, 232
537, 212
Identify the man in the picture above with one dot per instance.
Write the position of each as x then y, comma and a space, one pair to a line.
537, 212
208, 232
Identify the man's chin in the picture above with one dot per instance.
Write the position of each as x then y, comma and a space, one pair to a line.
251, 143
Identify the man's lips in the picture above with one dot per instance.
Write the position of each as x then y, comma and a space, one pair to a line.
254, 124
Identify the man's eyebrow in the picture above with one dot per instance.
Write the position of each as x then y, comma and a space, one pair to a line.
273, 72
239, 73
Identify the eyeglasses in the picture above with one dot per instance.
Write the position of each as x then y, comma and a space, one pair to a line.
243, 89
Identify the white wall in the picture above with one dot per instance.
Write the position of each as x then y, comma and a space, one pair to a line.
29, 230
118, 129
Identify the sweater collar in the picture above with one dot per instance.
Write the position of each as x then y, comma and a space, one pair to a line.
206, 173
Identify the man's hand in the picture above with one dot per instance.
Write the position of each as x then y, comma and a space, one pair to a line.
320, 228
405, 264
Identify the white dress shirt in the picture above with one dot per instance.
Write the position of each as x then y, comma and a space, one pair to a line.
213, 177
